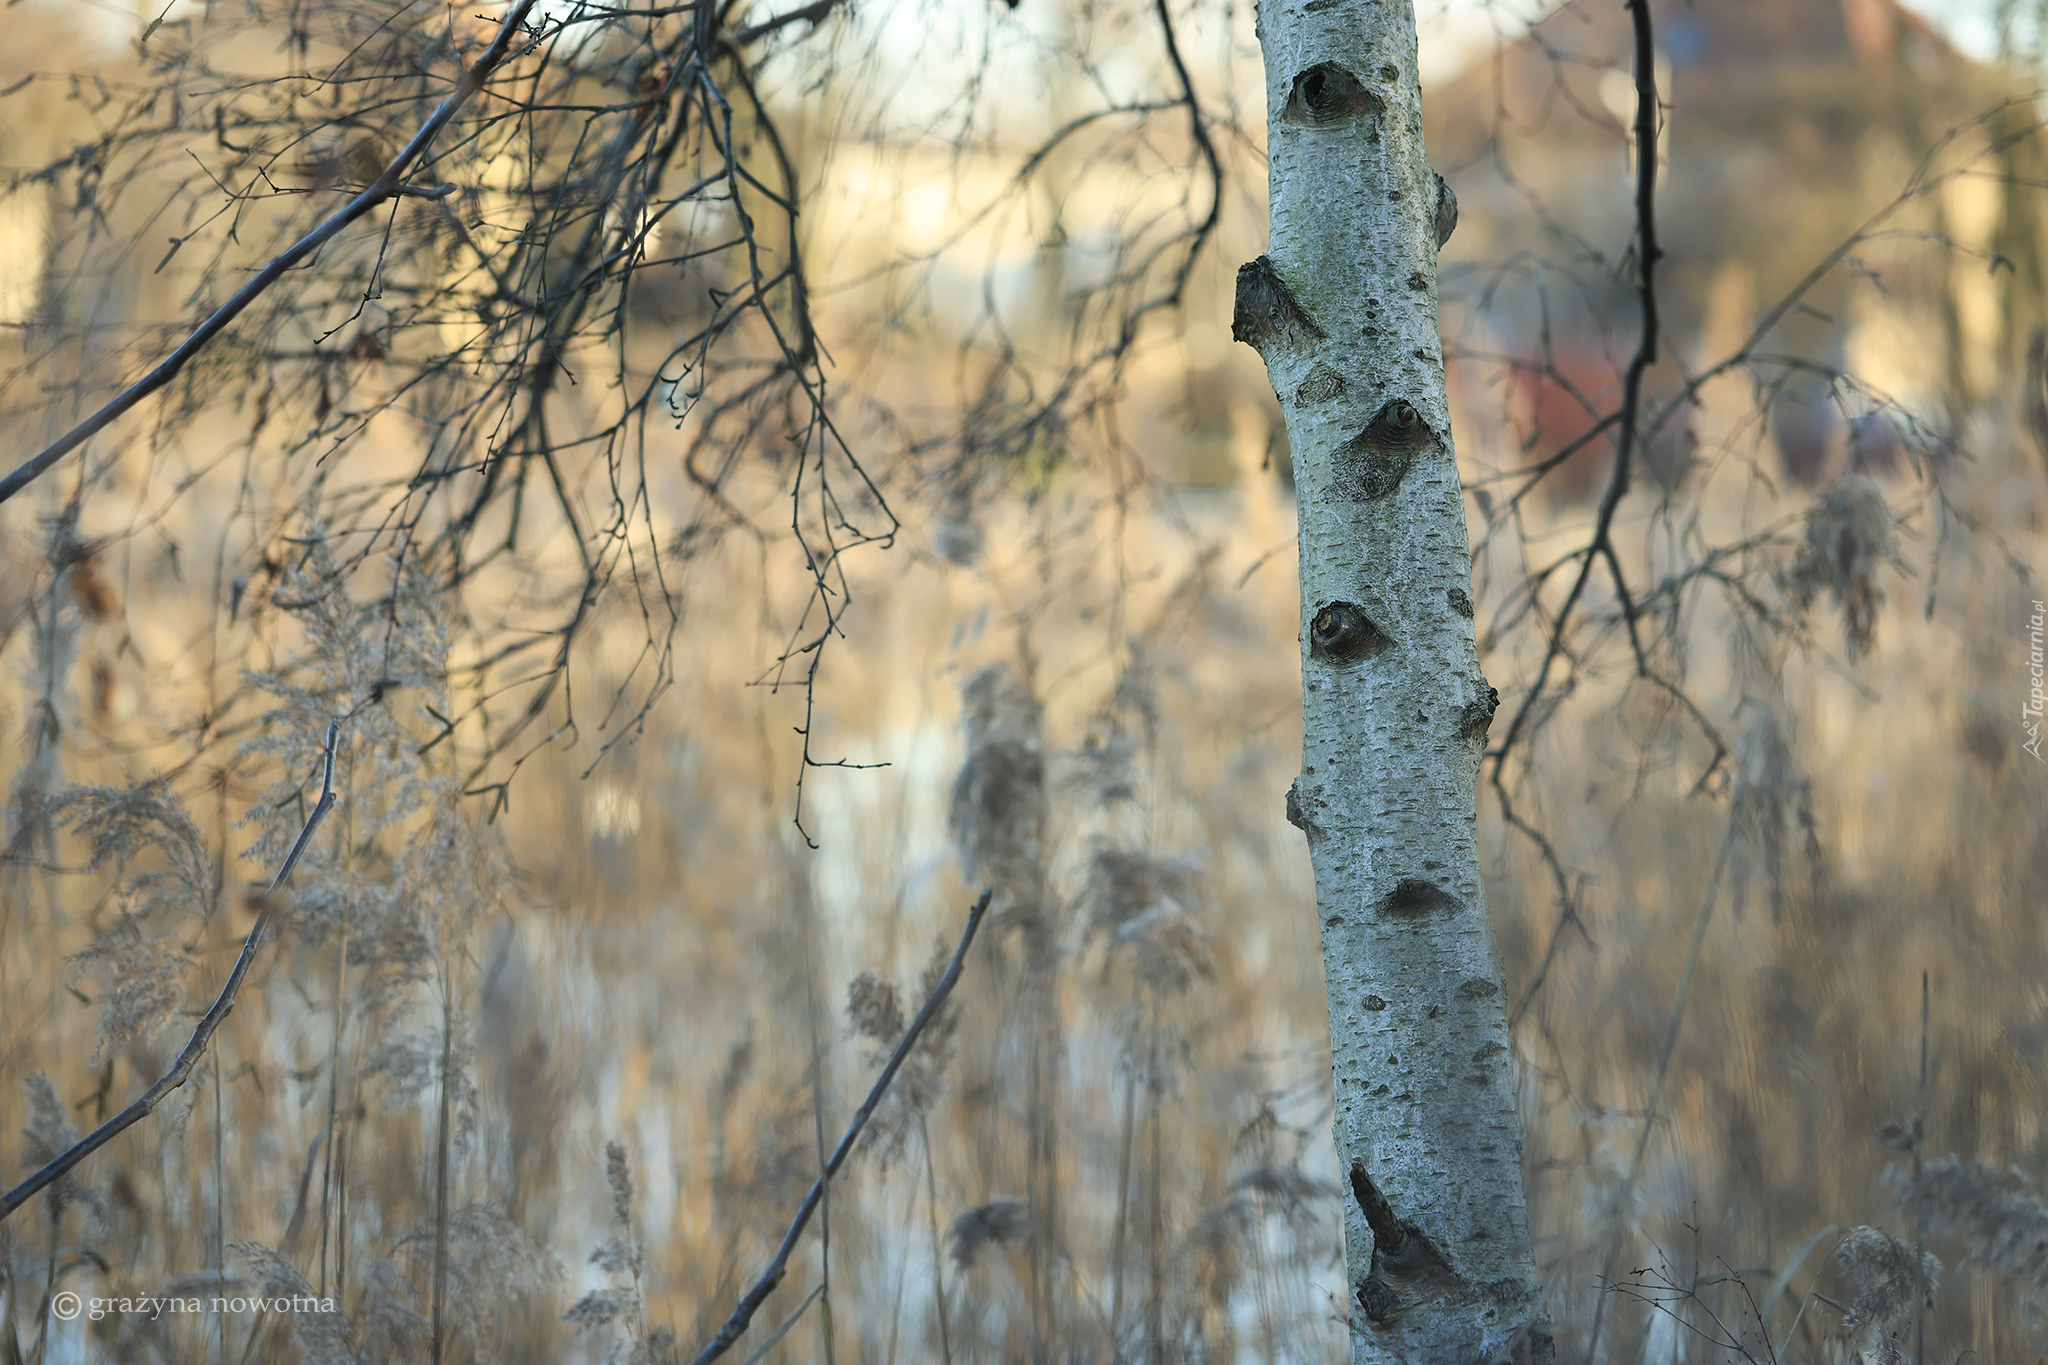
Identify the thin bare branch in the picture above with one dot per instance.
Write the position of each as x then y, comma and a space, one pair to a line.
385, 186
751, 1301
201, 1036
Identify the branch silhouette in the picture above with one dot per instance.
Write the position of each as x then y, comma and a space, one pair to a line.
201, 1036
750, 1302
385, 187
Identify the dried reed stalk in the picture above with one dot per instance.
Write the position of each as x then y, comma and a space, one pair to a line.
750, 1302
201, 1036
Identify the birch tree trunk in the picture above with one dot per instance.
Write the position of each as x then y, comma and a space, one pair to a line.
1343, 310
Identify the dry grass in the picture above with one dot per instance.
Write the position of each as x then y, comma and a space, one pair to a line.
547, 1086
631, 1069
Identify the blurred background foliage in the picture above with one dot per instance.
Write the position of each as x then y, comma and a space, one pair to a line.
610, 497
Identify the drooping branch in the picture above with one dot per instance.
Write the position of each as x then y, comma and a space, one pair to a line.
1600, 549
211, 1021
388, 185
1199, 130
751, 1301
1634, 423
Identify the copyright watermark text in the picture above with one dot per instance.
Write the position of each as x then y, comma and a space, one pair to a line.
67, 1305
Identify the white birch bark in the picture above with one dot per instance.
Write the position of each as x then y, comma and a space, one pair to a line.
1344, 311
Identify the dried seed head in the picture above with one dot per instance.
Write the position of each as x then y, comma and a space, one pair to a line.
1769, 796
489, 1258
50, 1133
1102, 768
999, 799
49, 1129
739, 1063
618, 1177
1850, 534
1000, 1222
145, 980
322, 1336
1142, 904
1887, 1276
365, 157
1219, 1240
1903, 1136
874, 1008
1995, 1209
139, 960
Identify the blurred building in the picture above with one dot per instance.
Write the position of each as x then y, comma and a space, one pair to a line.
1788, 128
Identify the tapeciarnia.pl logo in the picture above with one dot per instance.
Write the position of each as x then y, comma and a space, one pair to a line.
2037, 673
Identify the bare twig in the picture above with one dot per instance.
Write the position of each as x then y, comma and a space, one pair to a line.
384, 187
751, 1301
1200, 131
201, 1036
1601, 547
810, 14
